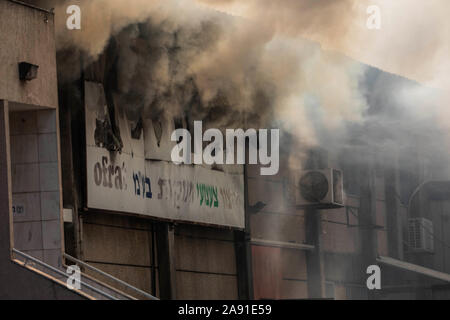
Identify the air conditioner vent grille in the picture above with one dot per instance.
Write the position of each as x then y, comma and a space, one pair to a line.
420, 232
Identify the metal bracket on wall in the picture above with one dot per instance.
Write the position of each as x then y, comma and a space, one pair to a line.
354, 211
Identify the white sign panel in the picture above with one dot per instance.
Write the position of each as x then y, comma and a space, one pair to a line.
127, 182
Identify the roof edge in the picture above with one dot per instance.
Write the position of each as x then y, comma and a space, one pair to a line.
31, 6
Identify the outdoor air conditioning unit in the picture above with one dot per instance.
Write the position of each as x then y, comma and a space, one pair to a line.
420, 233
322, 189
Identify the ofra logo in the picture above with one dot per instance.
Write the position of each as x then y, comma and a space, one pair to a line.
214, 151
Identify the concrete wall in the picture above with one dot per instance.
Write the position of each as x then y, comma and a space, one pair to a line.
27, 34
337, 232
35, 184
17, 282
29, 151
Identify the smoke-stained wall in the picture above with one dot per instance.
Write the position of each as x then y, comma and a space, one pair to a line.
33, 43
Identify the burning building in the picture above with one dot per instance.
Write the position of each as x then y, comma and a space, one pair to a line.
362, 179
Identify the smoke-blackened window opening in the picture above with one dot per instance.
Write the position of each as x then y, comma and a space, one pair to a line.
113, 140
136, 131
158, 130
107, 132
105, 135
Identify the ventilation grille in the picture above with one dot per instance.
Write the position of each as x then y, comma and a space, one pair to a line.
421, 235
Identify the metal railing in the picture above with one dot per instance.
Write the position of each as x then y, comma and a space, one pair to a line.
107, 275
60, 272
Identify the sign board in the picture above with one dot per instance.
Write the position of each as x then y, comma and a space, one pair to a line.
129, 182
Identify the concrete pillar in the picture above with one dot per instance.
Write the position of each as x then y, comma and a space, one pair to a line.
166, 259
6, 237
314, 258
367, 221
243, 249
317, 159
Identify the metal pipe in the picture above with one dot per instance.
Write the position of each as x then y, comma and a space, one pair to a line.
280, 244
414, 268
28, 257
84, 264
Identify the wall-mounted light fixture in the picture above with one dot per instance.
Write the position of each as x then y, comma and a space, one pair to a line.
27, 71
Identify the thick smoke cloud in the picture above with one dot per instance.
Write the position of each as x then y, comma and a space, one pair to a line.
232, 71
413, 42
257, 69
